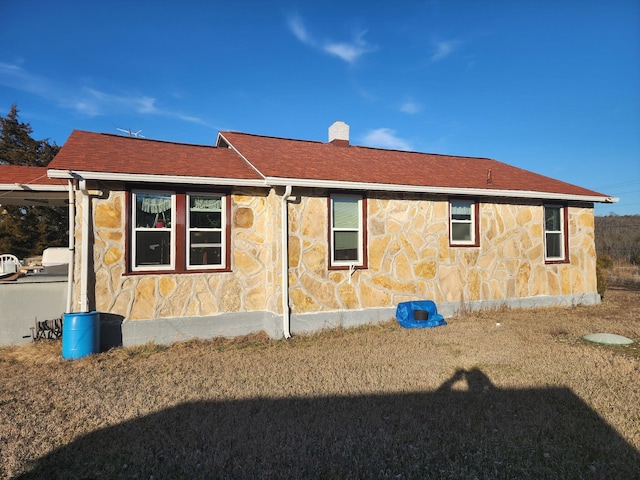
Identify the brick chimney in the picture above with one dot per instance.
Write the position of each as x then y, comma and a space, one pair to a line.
339, 134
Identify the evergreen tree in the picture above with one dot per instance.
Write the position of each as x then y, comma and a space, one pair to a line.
18, 148
27, 230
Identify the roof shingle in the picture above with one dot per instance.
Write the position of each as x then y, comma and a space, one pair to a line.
285, 158
26, 175
100, 152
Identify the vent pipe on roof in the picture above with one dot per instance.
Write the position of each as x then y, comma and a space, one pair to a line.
339, 133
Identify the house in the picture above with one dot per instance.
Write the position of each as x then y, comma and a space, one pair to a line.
175, 241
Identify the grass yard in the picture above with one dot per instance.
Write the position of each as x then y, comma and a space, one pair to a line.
499, 394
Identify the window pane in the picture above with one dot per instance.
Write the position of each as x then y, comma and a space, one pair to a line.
206, 237
345, 212
345, 245
205, 256
205, 219
205, 212
552, 219
153, 209
153, 248
461, 231
554, 245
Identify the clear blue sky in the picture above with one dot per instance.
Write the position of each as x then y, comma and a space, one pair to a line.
549, 86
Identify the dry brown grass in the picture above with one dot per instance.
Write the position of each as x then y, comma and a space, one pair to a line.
524, 399
624, 274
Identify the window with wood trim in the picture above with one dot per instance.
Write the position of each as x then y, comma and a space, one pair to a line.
347, 235
153, 230
205, 231
175, 231
555, 233
463, 223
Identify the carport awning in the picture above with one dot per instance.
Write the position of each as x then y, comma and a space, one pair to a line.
33, 197
24, 185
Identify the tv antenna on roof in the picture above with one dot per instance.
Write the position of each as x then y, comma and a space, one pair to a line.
130, 132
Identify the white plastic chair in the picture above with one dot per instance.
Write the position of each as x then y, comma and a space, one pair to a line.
9, 263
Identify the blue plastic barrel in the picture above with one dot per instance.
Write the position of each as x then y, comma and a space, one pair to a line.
80, 334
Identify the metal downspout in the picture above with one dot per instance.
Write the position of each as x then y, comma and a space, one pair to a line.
286, 320
72, 245
84, 270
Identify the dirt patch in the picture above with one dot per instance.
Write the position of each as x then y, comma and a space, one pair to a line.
494, 394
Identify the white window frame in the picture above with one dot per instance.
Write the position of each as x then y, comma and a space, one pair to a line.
359, 262
471, 222
135, 229
561, 233
222, 230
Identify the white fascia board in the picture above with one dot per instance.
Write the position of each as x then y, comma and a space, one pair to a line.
330, 184
32, 187
475, 192
147, 178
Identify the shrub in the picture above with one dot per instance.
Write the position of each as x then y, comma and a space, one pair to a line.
603, 263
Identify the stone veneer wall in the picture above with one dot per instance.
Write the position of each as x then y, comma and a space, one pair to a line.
410, 257
252, 285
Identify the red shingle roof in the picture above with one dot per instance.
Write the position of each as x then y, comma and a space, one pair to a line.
100, 152
282, 159
30, 176
296, 159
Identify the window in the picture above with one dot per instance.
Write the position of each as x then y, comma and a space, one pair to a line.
178, 231
463, 223
153, 233
205, 233
347, 236
555, 242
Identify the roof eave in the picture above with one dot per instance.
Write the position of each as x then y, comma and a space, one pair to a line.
32, 187
330, 184
438, 190
151, 178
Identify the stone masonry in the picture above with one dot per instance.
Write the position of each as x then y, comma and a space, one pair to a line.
409, 258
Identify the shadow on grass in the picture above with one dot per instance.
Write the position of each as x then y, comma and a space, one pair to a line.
478, 432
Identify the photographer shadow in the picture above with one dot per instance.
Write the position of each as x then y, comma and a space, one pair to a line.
467, 428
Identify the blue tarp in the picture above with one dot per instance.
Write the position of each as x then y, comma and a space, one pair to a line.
405, 317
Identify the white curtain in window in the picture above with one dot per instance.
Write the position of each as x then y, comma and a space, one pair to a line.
155, 204
461, 208
206, 203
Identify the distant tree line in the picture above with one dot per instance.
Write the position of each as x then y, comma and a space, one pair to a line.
27, 230
618, 236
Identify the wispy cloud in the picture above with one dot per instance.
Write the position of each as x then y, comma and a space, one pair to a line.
437, 51
410, 107
299, 30
443, 49
94, 102
386, 138
349, 51
86, 100
14, 76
